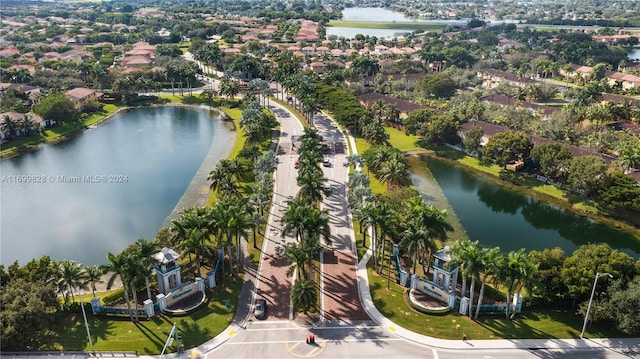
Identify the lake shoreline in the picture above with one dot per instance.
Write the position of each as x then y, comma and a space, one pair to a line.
522, 190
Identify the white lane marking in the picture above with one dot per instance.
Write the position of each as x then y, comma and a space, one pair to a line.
327, 341
435, 354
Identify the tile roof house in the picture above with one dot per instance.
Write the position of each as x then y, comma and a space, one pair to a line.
81, 95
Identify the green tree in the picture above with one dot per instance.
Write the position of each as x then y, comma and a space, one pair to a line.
438, 85
623, 304
472, 138
587, 173
579, 270
553, 159
550, 286
27, 311
507, 146
440, 130
621, 193
57, 107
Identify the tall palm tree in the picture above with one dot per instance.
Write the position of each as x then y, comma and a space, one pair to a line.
145, 250
72, 275
240, 223
93, 275
117, 266
490, 258
467, 254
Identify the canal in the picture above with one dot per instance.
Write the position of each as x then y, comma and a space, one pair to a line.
496, 216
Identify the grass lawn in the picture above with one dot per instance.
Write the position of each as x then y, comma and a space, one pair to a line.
402, 141
546, 324
407, 26
148, 336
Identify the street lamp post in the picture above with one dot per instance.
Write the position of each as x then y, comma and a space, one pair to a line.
586, 316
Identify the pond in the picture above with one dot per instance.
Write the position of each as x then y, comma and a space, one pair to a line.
634, 54
103, 189
496, 216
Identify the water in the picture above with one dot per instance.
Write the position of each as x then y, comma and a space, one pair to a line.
377, 14
634, 54
149, 155
496, 216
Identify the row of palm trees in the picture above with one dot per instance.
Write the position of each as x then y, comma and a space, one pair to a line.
306, 220
514, 270
133, 266
23, 126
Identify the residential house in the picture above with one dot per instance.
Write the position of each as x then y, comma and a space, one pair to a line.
80, 95
37, 121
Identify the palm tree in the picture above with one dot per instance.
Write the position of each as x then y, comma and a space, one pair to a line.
134, 271
93, 275
383, 219
296, 254
240, 222
304, 294
468, 254
516, 272
490, 258
144, 251
354, 160
72, 275
117, 266
393, 173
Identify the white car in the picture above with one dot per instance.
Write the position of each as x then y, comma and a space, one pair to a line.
326, 162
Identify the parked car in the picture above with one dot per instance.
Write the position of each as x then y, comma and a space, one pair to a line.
328, 188
296, 165
326, 162
260, 310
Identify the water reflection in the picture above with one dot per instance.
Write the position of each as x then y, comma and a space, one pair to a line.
158, 150
500, 217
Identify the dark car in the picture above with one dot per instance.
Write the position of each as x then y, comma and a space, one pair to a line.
260, 310
296, 165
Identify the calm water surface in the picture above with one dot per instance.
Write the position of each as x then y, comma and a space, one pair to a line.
496, 216
154, 154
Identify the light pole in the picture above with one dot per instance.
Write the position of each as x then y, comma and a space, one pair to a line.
586, 316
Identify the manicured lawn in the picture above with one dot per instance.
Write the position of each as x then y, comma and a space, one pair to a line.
148, 336
402, 141
541, 324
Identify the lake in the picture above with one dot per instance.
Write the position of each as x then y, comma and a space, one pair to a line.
496, 216
634, 54
103, 189
378, 14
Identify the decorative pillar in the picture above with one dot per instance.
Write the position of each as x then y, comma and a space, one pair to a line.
464, 305
148, 308
211, 279
414, 281
162, 302
200, 283
404, 277
517, 303
95, 305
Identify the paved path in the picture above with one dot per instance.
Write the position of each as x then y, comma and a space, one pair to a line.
341, 302
273, 284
